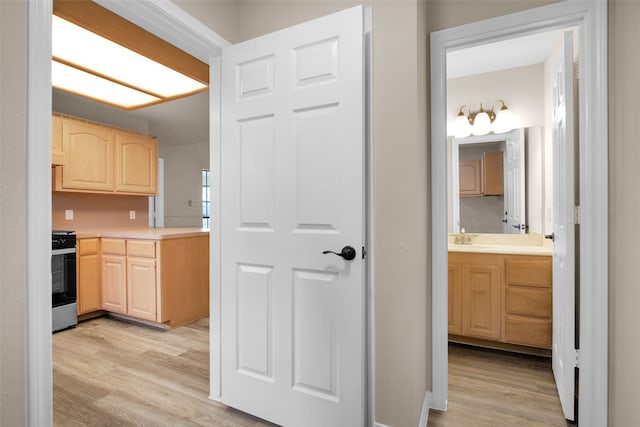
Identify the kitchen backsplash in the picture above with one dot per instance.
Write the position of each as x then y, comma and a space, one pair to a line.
92, 211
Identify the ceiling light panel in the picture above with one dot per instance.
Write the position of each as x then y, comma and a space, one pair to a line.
77, 46
86, 84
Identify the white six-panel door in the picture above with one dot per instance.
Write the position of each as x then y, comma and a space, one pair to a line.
514, 183
293, 318
563, 342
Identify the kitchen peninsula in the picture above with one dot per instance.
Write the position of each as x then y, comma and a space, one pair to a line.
155, 275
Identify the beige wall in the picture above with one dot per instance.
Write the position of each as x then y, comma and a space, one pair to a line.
521, 88
624, 211
12, 212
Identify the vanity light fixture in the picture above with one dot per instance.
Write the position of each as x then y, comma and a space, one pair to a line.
101, 56
483, 121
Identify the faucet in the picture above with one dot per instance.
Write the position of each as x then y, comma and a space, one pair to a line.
462, 238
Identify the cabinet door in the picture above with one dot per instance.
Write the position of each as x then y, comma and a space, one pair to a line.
481, 301
89, 277
455, 299
141, 288
88, 151
114, 283
137, 164
470, 178
57, 156
492, 173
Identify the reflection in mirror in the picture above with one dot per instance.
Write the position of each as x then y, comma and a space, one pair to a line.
495, 183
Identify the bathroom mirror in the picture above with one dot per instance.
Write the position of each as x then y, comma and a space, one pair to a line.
476, 204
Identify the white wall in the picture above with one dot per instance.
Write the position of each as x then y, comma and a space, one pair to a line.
183, 166
521, 88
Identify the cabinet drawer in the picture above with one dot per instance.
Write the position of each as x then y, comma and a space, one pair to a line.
529, 271
141, 248
528, 301
529, 331
113, 246
88, 246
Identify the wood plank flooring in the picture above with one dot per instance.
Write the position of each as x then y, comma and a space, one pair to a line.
110, 373
499, 389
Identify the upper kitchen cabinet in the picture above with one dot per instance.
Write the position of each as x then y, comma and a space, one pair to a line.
103, 159
88, 157
137, 158
57, 156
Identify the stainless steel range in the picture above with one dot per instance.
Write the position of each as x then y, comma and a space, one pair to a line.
63, 272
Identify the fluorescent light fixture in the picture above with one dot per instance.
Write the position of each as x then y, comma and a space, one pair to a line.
86, 84
90, 65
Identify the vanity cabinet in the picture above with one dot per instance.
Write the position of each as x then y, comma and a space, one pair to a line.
501, 298
480, 294
88, 275
102, 159
528, 302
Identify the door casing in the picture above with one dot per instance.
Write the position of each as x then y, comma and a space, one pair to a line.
591, 19
174, 25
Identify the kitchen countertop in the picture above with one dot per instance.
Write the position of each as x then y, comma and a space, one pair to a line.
508, 244
146, 233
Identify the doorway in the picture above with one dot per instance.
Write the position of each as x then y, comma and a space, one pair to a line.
590, 19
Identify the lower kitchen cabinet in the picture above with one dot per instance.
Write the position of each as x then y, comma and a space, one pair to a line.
141, 280
88, 275
114, 276
501, 298
164, 281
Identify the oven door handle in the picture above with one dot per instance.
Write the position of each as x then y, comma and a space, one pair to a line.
63, 251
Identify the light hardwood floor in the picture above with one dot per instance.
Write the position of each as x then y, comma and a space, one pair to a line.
111, 373
499, 389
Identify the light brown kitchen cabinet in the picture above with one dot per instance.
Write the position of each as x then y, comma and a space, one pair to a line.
88, 275
103, 159
88, 157
57, 155
483, 177
470, 172
141, 280
528, 301
137, 160
114, 275
501, 298
492, 173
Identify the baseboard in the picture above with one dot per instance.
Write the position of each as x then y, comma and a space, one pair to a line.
424, 414
426, 405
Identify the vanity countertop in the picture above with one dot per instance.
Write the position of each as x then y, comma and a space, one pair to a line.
513, 244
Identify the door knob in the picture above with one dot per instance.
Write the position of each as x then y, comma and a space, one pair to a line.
348, 253
550, 236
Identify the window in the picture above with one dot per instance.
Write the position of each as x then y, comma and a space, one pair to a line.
206, 198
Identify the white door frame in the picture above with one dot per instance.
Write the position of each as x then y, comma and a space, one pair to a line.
591, 18
174, 25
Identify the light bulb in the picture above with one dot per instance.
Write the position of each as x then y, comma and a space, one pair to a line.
461, 126
504, 120
481, 123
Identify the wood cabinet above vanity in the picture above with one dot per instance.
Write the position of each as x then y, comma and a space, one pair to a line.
482, 177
